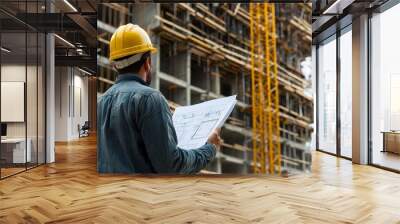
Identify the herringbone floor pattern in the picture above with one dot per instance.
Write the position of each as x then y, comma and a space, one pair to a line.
70, 191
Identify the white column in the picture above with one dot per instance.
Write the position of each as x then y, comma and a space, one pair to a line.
360, 90
50, 99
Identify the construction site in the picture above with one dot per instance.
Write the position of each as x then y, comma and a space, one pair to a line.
211, 50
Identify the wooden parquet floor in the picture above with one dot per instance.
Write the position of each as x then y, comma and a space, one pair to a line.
70, 191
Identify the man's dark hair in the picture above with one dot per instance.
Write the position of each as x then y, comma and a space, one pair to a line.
135, 67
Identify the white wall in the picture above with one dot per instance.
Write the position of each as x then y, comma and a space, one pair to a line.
80, 103
61, 103
71, 96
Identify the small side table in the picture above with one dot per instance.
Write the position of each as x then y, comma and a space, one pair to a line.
391, 141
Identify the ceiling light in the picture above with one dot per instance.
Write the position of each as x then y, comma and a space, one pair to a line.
331, 7
70, 5
5, 50
84, 71
65, 41
337, 7
79, 51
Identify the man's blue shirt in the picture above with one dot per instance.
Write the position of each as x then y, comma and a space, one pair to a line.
135, 133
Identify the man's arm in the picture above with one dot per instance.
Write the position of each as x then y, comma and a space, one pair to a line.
158, 132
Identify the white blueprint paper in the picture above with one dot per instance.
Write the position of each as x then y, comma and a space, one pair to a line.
194, 124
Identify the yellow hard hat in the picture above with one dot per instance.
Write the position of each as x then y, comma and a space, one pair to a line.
129, 40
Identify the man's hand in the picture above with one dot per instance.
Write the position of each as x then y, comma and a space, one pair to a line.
215, 138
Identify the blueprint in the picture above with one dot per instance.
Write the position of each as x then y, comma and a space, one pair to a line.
194, 124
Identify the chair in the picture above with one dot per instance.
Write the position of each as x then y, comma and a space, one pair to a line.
84, 130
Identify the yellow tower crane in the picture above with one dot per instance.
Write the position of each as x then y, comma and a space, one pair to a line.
264, 89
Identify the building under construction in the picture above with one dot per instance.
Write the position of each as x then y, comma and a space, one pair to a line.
204, 52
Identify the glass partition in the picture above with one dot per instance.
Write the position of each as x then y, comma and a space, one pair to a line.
41, 96
327, 95
14, 154
346, 93
31, 98
22, 89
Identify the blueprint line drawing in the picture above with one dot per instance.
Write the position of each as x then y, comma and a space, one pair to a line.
202, 130
194, 124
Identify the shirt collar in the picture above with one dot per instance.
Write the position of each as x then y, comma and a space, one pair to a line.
130, 77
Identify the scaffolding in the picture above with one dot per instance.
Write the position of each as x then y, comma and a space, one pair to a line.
265, 89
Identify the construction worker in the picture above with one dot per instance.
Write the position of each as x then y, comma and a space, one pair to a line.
135, 132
